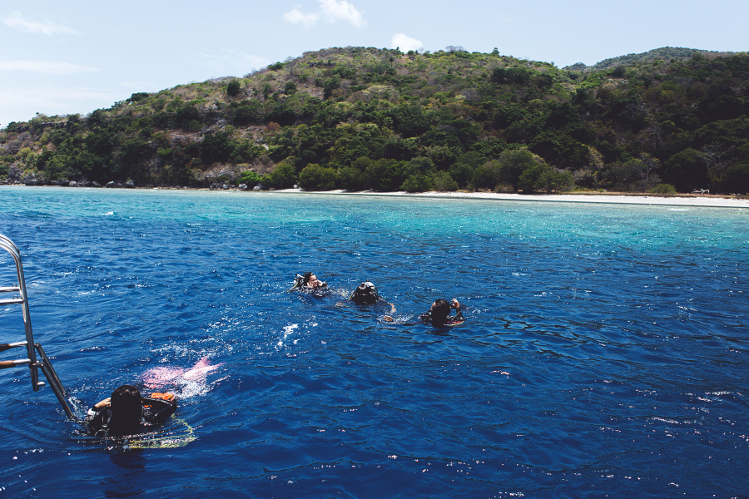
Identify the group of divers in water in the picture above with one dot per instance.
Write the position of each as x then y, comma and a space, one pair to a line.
127, 413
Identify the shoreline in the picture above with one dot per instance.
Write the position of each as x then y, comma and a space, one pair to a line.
683, 200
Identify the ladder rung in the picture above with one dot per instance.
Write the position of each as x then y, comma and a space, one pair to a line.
8, 346
11, 301
9, 289
6, 364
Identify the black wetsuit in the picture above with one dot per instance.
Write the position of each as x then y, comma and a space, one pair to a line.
154, 413
321, 285
449, 321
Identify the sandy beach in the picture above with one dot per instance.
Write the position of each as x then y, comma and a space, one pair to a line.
644, 199
693, 200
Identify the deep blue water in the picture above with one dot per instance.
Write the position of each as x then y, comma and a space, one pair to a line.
605, 351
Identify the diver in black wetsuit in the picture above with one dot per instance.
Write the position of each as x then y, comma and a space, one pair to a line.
366, 294
308, 281
126, 412
439, 313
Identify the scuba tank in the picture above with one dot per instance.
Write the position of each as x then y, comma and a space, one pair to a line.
298, 282
365, 293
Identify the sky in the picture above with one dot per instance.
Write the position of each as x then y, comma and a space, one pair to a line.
71, 57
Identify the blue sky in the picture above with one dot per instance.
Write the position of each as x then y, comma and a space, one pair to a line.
78, 56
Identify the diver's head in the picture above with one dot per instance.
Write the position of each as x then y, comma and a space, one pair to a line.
365, 293
440, 310
309, 279
126, 410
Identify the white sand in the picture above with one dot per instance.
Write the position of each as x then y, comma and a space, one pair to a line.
644, 199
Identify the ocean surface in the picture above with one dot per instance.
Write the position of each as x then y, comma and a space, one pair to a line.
605, 351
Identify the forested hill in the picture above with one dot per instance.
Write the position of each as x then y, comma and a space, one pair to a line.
366, 118
671, 54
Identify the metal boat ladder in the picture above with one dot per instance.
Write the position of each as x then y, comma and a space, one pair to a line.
19, 297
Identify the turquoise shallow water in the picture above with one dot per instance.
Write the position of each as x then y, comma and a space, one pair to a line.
604, 353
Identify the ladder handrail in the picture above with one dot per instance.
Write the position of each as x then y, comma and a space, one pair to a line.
11, 248
31, 347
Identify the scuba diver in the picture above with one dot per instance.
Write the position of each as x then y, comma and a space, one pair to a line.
126, 412
307, 281
366, 294
439, 313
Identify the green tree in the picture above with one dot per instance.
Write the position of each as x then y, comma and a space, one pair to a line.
244, 113
317, 178
282, 114
250, 178
216, 147
736, 179
543, 177
513, 163
560, 149
282, 177
648, 166
462, 174
486, 176
534, 177
622, 176
233, 88
400, 149
290, 88
443, 182
687, 170
417, 183
663, 189
330, 85
245, 152
351, 179
420, 166
385, 175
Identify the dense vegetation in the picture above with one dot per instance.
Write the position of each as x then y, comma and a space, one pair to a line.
366, 118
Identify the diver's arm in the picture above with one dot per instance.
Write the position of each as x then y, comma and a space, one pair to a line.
458, 313
389, 318
96, 415
107, 402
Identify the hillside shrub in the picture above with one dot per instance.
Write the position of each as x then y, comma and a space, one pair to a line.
443, 182
282, 177
417, 183
662, 189
317, 178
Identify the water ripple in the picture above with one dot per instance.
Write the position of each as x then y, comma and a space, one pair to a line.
604, 351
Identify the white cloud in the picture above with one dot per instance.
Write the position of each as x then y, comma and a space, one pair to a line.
330, 11
16, 21
46, 67
296, 16
405, 43
335, 10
